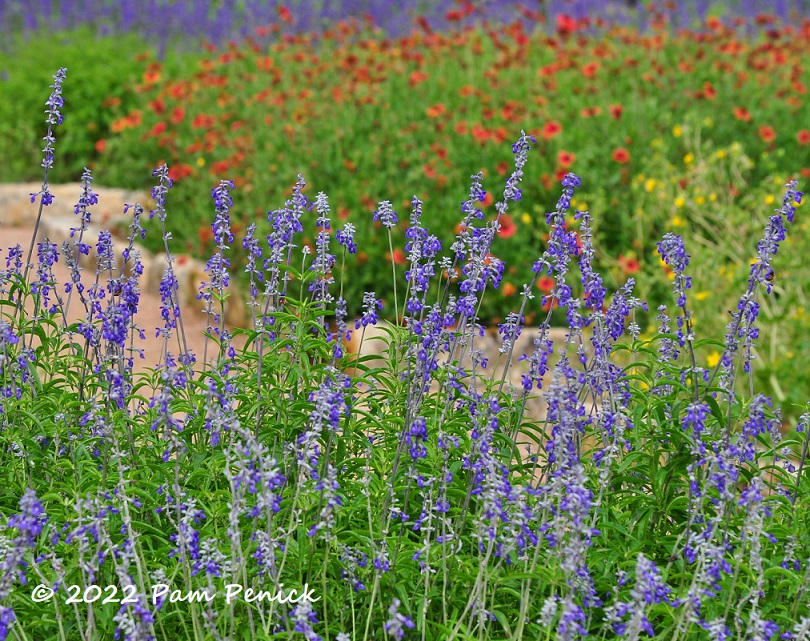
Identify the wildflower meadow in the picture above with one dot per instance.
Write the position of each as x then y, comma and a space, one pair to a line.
294, 489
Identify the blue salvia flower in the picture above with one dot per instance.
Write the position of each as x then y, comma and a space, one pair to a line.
47, 255
350, 560
159, 192
396, 624
345, 237
87, 199
217, 266
649, 589
169, 307
304, 618
386, 215
14, 257
324, 261
742, 323
370, 306
562, 245
254, 252
28, 523
55, 103
330, 500
594, 290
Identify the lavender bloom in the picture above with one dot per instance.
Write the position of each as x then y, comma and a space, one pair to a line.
254, 252
48, 255
87, 199
648, 590
330, 500
591, 280
286, 223
159, 192
674, 254
304, 618
330, 406
28, 523
350, 561
324, 261
345, 237
370, 306
395, 626
415, 437
169, 307
55, 103
385, 214
742, 323
217, 266
510, 330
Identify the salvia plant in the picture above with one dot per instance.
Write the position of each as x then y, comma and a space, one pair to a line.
289, 489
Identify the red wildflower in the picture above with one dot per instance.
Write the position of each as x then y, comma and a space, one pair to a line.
566, 25
616, 111
508, 227
101, 145
551, 129
803, 136
177, 115
621, 155
509, 289
565, 159
285, 15
629, 264
158, 129
399, 256
767, 133
741, 113
179, 171
589, 70
435, 111
417, 77
545, 283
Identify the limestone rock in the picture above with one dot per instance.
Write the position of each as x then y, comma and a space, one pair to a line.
17, 210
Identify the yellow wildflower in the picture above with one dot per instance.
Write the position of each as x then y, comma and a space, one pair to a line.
721, 153
700, 200
769, 199
680, 202
677, 130
713, 358
712, 197
708, 122
688, 158
677, 221
201, 162
649, 185
702, 295
526, 218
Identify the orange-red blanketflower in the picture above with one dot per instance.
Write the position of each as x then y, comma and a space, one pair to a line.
803, 136
741, 113
565, 159
621, 155
629, 264
551, 129
545, 283
767, 133
616, 111
508, 227
177, 115
435, 111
